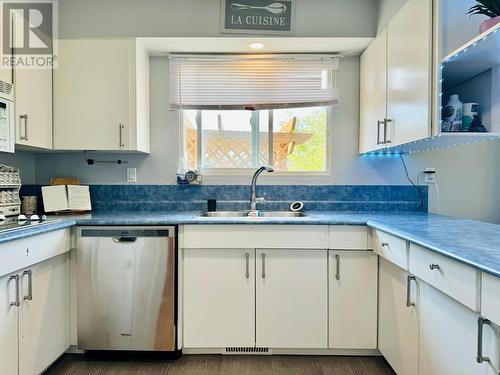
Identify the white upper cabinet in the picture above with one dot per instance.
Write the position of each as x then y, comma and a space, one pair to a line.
101, 96
409, 73
396, 80
373, 95
33, 90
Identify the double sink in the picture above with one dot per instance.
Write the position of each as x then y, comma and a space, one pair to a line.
278, 214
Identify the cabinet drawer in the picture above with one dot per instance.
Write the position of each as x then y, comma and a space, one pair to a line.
392, 248
19, 254
349, 237
490, 298
255, 236
455, 279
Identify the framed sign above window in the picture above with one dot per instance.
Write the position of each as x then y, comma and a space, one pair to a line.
258, 16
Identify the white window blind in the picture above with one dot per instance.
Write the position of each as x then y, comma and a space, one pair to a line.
252, 82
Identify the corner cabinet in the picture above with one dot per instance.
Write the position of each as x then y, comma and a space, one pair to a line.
373, 95
101, 96
398, 318
396, 80
33, 90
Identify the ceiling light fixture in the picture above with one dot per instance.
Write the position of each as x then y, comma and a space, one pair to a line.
256, 45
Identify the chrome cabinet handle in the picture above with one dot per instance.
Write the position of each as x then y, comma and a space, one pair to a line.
434, 267
408, 291
25, 136
386, 121
247, 266
16, 279
337, 271
384, 244
480, 324
263, 265
121, 127
379, 142
29, 297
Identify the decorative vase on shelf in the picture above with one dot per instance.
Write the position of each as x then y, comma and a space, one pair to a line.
488, 24
452, 115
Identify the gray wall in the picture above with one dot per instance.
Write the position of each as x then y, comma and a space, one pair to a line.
159, 167
133, 18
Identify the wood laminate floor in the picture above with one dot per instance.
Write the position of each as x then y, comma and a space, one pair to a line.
228, 365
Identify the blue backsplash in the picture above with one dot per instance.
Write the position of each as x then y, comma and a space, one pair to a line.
230, 197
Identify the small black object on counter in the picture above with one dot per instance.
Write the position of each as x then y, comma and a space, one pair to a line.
211, 205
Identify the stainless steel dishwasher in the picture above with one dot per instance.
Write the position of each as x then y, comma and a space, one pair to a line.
126, 288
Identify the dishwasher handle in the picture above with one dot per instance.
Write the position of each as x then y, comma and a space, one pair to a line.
124, 239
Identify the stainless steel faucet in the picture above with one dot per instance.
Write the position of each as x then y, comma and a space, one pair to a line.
253, 197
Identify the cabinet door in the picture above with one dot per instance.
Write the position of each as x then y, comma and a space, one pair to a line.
219, 298
34, 108
44, 319
8, 326
292, 308
397, 322
409, 57
92, 95
373, 94
353, 300
448, 335
490, 349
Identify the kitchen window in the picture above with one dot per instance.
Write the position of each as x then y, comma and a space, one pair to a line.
240, 112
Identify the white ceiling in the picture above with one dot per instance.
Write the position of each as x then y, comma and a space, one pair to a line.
343, 46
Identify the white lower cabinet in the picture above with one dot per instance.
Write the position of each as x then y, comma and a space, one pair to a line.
8, 325
219, 298
34, 316
448, 335
352, 299
44, 314
398, 318
292, 299
489, 355
246, 298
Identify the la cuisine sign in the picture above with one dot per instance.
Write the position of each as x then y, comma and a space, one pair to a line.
257, 16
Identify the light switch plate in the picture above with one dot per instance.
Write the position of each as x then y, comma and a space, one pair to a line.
131, 175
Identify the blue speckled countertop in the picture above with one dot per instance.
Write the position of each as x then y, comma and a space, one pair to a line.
31, 230
471, 242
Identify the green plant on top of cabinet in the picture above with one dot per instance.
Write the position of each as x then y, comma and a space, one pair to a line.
396, 80
101, 96
33, 92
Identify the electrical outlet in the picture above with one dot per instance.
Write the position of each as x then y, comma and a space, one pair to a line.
430, 175
131, 175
